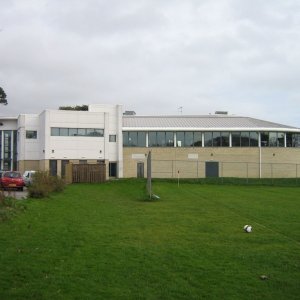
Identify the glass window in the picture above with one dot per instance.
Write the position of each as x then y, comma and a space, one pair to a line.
289, 139
208, 139
63, 131
245, 139
152, 139
170, 139
132, 139
225, 139
125, 138
180, 139
161, 139
98, 132
81, 132
280, 139
253, 139
264, 139
31, 134
197, 139
112, 138
73, 131
54, 131
216, 139
273, 139
296, 140
236, 139
141, 140
188, 139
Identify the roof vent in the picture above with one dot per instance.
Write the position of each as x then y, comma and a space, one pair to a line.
129, 113
219, 112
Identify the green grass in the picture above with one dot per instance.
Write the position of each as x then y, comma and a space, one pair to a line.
106, 242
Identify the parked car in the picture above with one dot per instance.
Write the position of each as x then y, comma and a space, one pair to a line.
28, 176
1, 173
12, 179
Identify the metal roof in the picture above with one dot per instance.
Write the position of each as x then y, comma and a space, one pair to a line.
204, 122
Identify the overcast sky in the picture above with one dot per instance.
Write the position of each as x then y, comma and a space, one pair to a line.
153, 56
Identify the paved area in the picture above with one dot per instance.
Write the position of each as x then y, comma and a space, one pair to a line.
16, 194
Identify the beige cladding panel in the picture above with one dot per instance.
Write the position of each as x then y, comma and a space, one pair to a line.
233, 162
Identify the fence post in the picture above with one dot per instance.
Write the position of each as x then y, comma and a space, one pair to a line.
272, 173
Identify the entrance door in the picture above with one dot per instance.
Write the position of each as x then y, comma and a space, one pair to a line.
112, 169
53, 167
140, 170
64, 162
212, 169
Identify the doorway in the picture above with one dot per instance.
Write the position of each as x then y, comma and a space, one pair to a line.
112, 169
212, 169
53, 167
140, 170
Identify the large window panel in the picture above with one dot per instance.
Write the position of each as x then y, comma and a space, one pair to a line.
170, 138
54, 131
245, 141
236, 139
141, 140
81, 131
253, 139
208, 139
180, 138
63, 131
273, 139
73, 131
289, 139
132, 139
216, 139
188, 139
161, 139
197, 139
280, 139
264, 139
125, 138
224, 139
152, 142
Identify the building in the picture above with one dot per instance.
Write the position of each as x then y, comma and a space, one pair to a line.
53, 138
189, 146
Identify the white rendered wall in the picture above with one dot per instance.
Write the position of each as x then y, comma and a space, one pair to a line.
28, 149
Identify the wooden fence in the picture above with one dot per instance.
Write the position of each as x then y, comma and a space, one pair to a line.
85, 173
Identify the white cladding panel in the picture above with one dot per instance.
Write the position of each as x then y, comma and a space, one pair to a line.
28, 149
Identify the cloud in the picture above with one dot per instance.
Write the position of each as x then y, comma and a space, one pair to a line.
153, 56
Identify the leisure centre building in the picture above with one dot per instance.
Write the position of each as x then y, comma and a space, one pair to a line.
192, 146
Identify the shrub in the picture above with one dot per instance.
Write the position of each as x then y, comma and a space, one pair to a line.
43, 184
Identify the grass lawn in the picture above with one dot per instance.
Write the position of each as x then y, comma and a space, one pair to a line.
106, 242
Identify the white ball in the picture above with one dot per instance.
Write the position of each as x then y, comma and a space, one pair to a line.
248, 228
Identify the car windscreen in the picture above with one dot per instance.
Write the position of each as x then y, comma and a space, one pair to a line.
12, 175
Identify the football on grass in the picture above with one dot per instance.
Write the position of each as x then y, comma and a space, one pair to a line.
248, 228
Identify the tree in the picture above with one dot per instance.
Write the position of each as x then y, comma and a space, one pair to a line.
77, 107
3, 99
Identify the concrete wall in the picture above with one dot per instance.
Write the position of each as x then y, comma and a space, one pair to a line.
233, 162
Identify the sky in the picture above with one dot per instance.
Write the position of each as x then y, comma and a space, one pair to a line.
154, 57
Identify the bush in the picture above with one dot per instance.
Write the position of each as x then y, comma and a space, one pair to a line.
43, 184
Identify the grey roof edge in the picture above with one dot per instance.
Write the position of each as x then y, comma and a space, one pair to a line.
258, 129
272, 125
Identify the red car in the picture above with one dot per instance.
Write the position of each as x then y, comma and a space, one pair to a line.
12, 179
